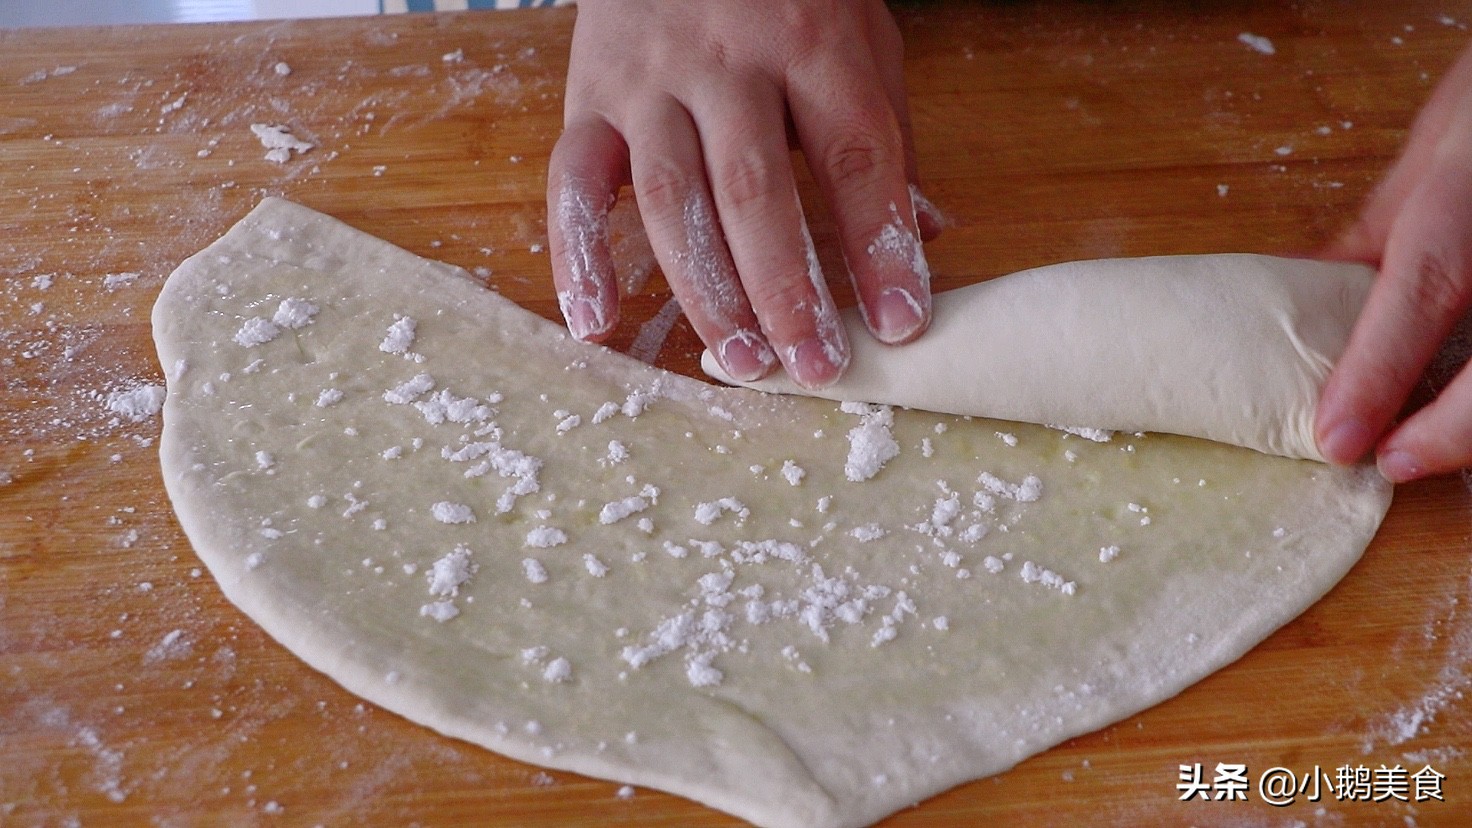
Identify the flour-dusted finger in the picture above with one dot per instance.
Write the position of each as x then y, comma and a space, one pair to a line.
756, 199
588, 165
852, 140
680, 217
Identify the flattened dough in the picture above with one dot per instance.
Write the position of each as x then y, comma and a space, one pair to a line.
578, 561
1229, 347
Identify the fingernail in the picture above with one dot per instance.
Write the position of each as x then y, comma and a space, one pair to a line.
896, 316
746, 356
1400, 466
815, 364
1347, 441
583, 318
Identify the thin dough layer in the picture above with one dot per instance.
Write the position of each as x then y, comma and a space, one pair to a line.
1229, 347
803, 614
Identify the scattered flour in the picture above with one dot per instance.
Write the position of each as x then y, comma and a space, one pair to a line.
1257, 43
136, 404
279, 142
871, 444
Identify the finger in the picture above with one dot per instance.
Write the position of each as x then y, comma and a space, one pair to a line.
851, 138
1436, 440
1366, 238
1424, 286
679, 216
888, 47
751, 178
587, 167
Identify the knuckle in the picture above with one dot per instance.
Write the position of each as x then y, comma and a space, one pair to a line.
664, 187
748, 181
785, 305
1437, 287
859, 155
806, 25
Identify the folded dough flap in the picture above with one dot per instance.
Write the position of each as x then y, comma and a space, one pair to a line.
1229, 347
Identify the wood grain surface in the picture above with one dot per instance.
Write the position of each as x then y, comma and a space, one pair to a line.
132, 693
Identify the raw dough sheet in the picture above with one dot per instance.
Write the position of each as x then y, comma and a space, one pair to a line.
553, 551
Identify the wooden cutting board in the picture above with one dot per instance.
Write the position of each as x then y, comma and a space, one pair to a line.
131, 693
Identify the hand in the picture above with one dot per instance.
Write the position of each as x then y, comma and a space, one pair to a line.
692, 102
1417, 228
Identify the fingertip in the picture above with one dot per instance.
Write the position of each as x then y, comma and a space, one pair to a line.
898, 316
817, 363
1399, 466
587, 318
746, 356
1344, 441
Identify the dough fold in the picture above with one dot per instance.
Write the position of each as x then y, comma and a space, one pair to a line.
1229, 347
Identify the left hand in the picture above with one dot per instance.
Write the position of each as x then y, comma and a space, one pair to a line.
1417, 228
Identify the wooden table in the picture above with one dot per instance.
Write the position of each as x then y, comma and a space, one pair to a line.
1047, 131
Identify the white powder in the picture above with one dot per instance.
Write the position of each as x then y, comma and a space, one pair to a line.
329, 397
1257, 43
619, 509
1028, 491
400, 336
1034, 574
294, 313
708, 513
113, 281
316, 501
409, 390
636, 402
279, 142
595, 567
1097, 435
447, 574
700, 673
1108, 553
281, 68
440, 611
545, 537
172, 646
264, 460
617, 453
137, 404
870, 443
558, 671
626, 792
447, 512
605, 412
256, 331
993, 564
940, 622
568, 423
1008, 438
792, 472
533, 570
868, 532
